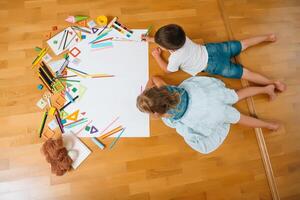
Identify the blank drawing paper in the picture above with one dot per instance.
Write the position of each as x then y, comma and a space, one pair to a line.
107, 99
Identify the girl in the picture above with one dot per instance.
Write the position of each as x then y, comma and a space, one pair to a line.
200, 109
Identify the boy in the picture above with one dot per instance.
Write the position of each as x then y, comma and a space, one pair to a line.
213, 58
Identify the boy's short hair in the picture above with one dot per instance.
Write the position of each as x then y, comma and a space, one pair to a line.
171, 37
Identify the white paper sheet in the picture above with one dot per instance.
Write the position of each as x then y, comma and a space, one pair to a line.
115, 97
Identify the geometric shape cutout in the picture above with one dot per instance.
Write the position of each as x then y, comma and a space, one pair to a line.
94, 30
73, 116
87, 128
74, 90
75, 52
94, 130
91, 24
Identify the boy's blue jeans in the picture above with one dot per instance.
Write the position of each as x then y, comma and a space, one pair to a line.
219, 59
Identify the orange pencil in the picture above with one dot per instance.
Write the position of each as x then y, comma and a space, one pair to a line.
115, 130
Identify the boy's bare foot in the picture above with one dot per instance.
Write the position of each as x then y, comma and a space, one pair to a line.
270, 89
280, 86
271, 38
273, 126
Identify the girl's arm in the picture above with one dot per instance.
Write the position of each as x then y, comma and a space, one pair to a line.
155, 81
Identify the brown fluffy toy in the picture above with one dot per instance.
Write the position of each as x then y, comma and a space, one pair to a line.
57, 155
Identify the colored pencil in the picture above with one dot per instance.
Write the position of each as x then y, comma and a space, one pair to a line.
100, 36
67, 80
116, 139
47, 70
57, 117
83, 127
81, 29
68, 103
103, 76
77, 70
62, 39
66, 40
79, 74
102, 30
41, 52
70, 76
75, 122
109, 125
43, 123
71, 40
39, 58
110, 38
45, 77
115, 130
44, 82
148, 30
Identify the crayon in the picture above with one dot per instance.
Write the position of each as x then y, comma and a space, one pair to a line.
43, 123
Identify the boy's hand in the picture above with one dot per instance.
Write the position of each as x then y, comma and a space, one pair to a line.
156, 52
147, 38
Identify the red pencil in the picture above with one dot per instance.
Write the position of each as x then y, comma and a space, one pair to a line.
103, 40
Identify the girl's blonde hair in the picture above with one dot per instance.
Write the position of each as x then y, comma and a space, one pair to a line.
157, 100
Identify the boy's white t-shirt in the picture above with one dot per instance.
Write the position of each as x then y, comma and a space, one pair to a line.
191, 58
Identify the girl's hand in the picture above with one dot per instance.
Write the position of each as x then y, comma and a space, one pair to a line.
156, 52
147, 38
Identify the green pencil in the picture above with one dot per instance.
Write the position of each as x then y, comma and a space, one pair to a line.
148, 30
66, 80
43, 123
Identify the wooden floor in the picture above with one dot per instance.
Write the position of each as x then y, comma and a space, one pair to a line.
162, 166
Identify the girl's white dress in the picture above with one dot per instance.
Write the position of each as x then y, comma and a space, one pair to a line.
206, 122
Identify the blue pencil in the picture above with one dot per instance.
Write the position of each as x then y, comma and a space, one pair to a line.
116, 139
